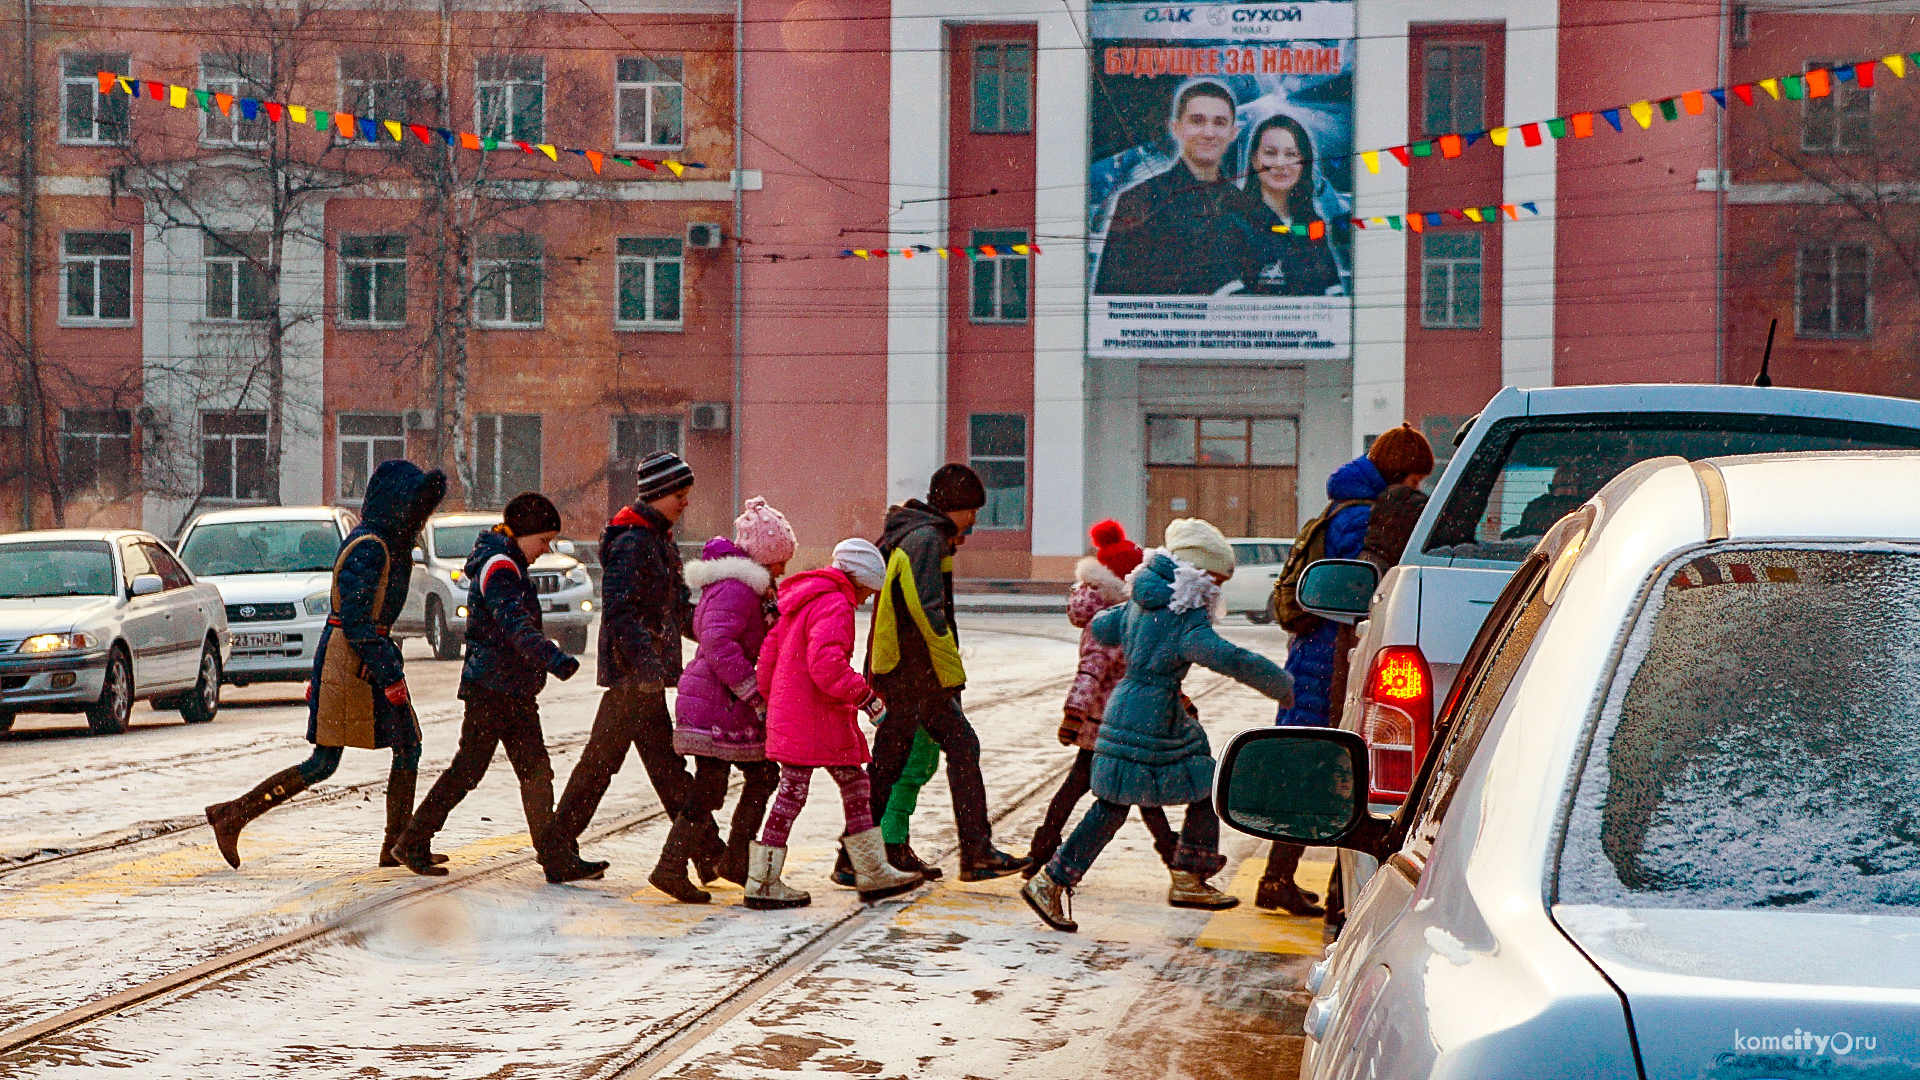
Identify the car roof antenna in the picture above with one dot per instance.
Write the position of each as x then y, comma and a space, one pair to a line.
1763, 379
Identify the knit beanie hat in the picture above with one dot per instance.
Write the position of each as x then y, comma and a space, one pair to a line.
1401, 453
1196, 542
531, 513
662, 473
763, 533
1112, 548
861, 561
956, 487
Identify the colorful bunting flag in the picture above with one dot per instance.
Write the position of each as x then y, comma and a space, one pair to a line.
1557, 127
1582, 125
1818, 82
1371, 159
177, 97
1896, 64
1642, 113
1772, 87
1694, 102
1530, 134
1498, 135
1450, 146
1668, 110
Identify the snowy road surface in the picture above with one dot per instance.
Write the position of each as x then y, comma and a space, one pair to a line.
133, 950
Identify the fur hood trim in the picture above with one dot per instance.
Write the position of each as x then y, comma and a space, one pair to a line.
1191, 586
1091, 571
705, 572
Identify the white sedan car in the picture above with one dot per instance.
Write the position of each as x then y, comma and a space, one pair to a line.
273, 566
92, 620
1256, 566
1670, 823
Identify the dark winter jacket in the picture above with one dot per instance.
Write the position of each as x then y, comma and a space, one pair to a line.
507, 647
400, 496
1166, 237
1311, 656
645, 605
1390, 526
914, 647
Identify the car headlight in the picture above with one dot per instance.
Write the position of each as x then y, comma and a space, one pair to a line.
40, 643
319, 604
578, 575
586, 605
461, 611
455, 574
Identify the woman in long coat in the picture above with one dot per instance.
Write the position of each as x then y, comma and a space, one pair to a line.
361, 699
1151, 750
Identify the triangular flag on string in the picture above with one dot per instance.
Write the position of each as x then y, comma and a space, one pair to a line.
344, 124
1694, 102
1433, 218
678, 168
369, 130
1473, 213
1358, 223
525, 148
1283, 228
1668, 110
1474, 137
488, 142
205, 99
942, 252
846, 253
1511, 210
1530, 208
1456, 215
1582, 125
1421, 149
989, 251
1642, 113
421, 132
177, 96
297, 113
1018, 249
469, 140
881, 253
1399, 154
1498, 135
1744, 92
1530, 134
1863, 73
1772, 87
1316, 230
1819, 82
1719, 96
646, 163
1371, 159
446, 135
1557, 127
1416, 223
156, 90
1794, 87
107, 79
1913, 58
593, 159
274, 110
131, 86
1894, 61
394, 129
1393, 220
860, 253
1377, 220
547, 149
1842, 73
249, 108
225, 101
1612, 116
1450, 146
906, 253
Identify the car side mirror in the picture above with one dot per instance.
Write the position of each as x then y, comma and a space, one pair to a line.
1338, 589
1299, 785
564, 547
146, 584
419, 557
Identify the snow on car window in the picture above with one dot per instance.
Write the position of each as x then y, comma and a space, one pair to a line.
1757, 748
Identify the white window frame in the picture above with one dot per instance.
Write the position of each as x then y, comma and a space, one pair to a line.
231, 443
491, 426
664, 421
348, 264
648, 266
1453, 265
1831, 253
1454, 122
511, 87
93, 266
239, 267
998, 265
74, 432
492, 276
998, 123
86, 86
228, 80
1843, 101
369, 444
646, 89
352, 88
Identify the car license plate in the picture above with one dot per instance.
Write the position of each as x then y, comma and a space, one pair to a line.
558, 605
256, 641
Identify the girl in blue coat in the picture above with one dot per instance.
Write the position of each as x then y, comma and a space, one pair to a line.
1152, 750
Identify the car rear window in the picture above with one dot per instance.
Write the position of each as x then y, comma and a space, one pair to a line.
1757, 746
1530, 471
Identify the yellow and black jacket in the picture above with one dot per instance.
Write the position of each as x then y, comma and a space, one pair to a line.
914, 646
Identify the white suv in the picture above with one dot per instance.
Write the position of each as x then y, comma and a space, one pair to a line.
437, 601
273, 566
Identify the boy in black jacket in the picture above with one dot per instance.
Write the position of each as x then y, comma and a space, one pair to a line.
508, 658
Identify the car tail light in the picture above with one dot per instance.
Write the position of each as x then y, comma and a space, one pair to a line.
1396, 719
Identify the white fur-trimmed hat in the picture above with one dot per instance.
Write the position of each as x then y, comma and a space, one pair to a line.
1196, 542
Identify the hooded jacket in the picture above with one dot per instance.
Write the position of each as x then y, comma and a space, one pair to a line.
645, 605
1311, 656
400, 498
1095, 589
914, 647
507, 647
1151, 752
806, 670
718, 711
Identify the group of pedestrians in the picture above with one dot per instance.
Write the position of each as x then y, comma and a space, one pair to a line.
774, 692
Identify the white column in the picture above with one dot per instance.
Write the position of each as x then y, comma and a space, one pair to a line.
1527, 245
303, 349
1058, 450
916, 320
1379, 255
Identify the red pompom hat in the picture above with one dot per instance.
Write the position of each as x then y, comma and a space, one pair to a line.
1113, 549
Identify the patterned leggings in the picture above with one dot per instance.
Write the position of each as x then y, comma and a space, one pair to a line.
856, 796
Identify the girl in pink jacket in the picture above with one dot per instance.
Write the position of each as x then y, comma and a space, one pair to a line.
813, 694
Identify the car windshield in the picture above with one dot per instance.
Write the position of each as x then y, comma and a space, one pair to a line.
261, 547
1757, 748
1531, 471
55, 568
453, 543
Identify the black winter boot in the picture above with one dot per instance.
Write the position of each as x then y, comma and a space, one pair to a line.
670, 875
996, 863
401, 784
902, 857
228, 818
709, 850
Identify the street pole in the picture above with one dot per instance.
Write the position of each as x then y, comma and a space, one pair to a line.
739, 249
31, 420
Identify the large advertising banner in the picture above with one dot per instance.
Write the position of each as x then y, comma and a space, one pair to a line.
1212, 125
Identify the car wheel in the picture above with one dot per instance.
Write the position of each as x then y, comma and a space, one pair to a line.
439, 637
108, 716
1259, 618
203, 702
573, 640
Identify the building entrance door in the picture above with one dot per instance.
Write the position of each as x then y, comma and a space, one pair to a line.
1238, 472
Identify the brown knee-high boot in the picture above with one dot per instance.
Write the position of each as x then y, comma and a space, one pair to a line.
670, 874
1277, 890
228, 818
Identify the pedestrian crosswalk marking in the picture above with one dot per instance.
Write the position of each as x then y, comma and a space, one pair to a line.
1248, 929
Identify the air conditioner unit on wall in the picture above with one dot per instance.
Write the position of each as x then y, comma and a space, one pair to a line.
419, 420
707, 416
702, 234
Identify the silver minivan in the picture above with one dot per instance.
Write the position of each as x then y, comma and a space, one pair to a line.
437, 601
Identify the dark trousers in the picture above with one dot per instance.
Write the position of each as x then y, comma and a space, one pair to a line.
1199, 841
710, 794
1079, 781
633, 716
495, 720
940, 717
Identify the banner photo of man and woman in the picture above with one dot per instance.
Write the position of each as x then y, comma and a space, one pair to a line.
1213, 125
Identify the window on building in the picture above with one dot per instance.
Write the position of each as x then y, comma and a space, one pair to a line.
1741, 30
634, 437
1835, 294
506, 457
373, 280
1455, 87
1217, 440
96, 451
650, 103
1450, 280
1003, 87
233, 456
997, 450
1000, 280
508, 289
1841, 122
244, 75
374, 84
89, 116
98, 272
366, 440
650, 280
236, 275
511, 98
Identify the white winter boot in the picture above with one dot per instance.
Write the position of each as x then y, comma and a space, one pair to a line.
765, 892
873, 875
